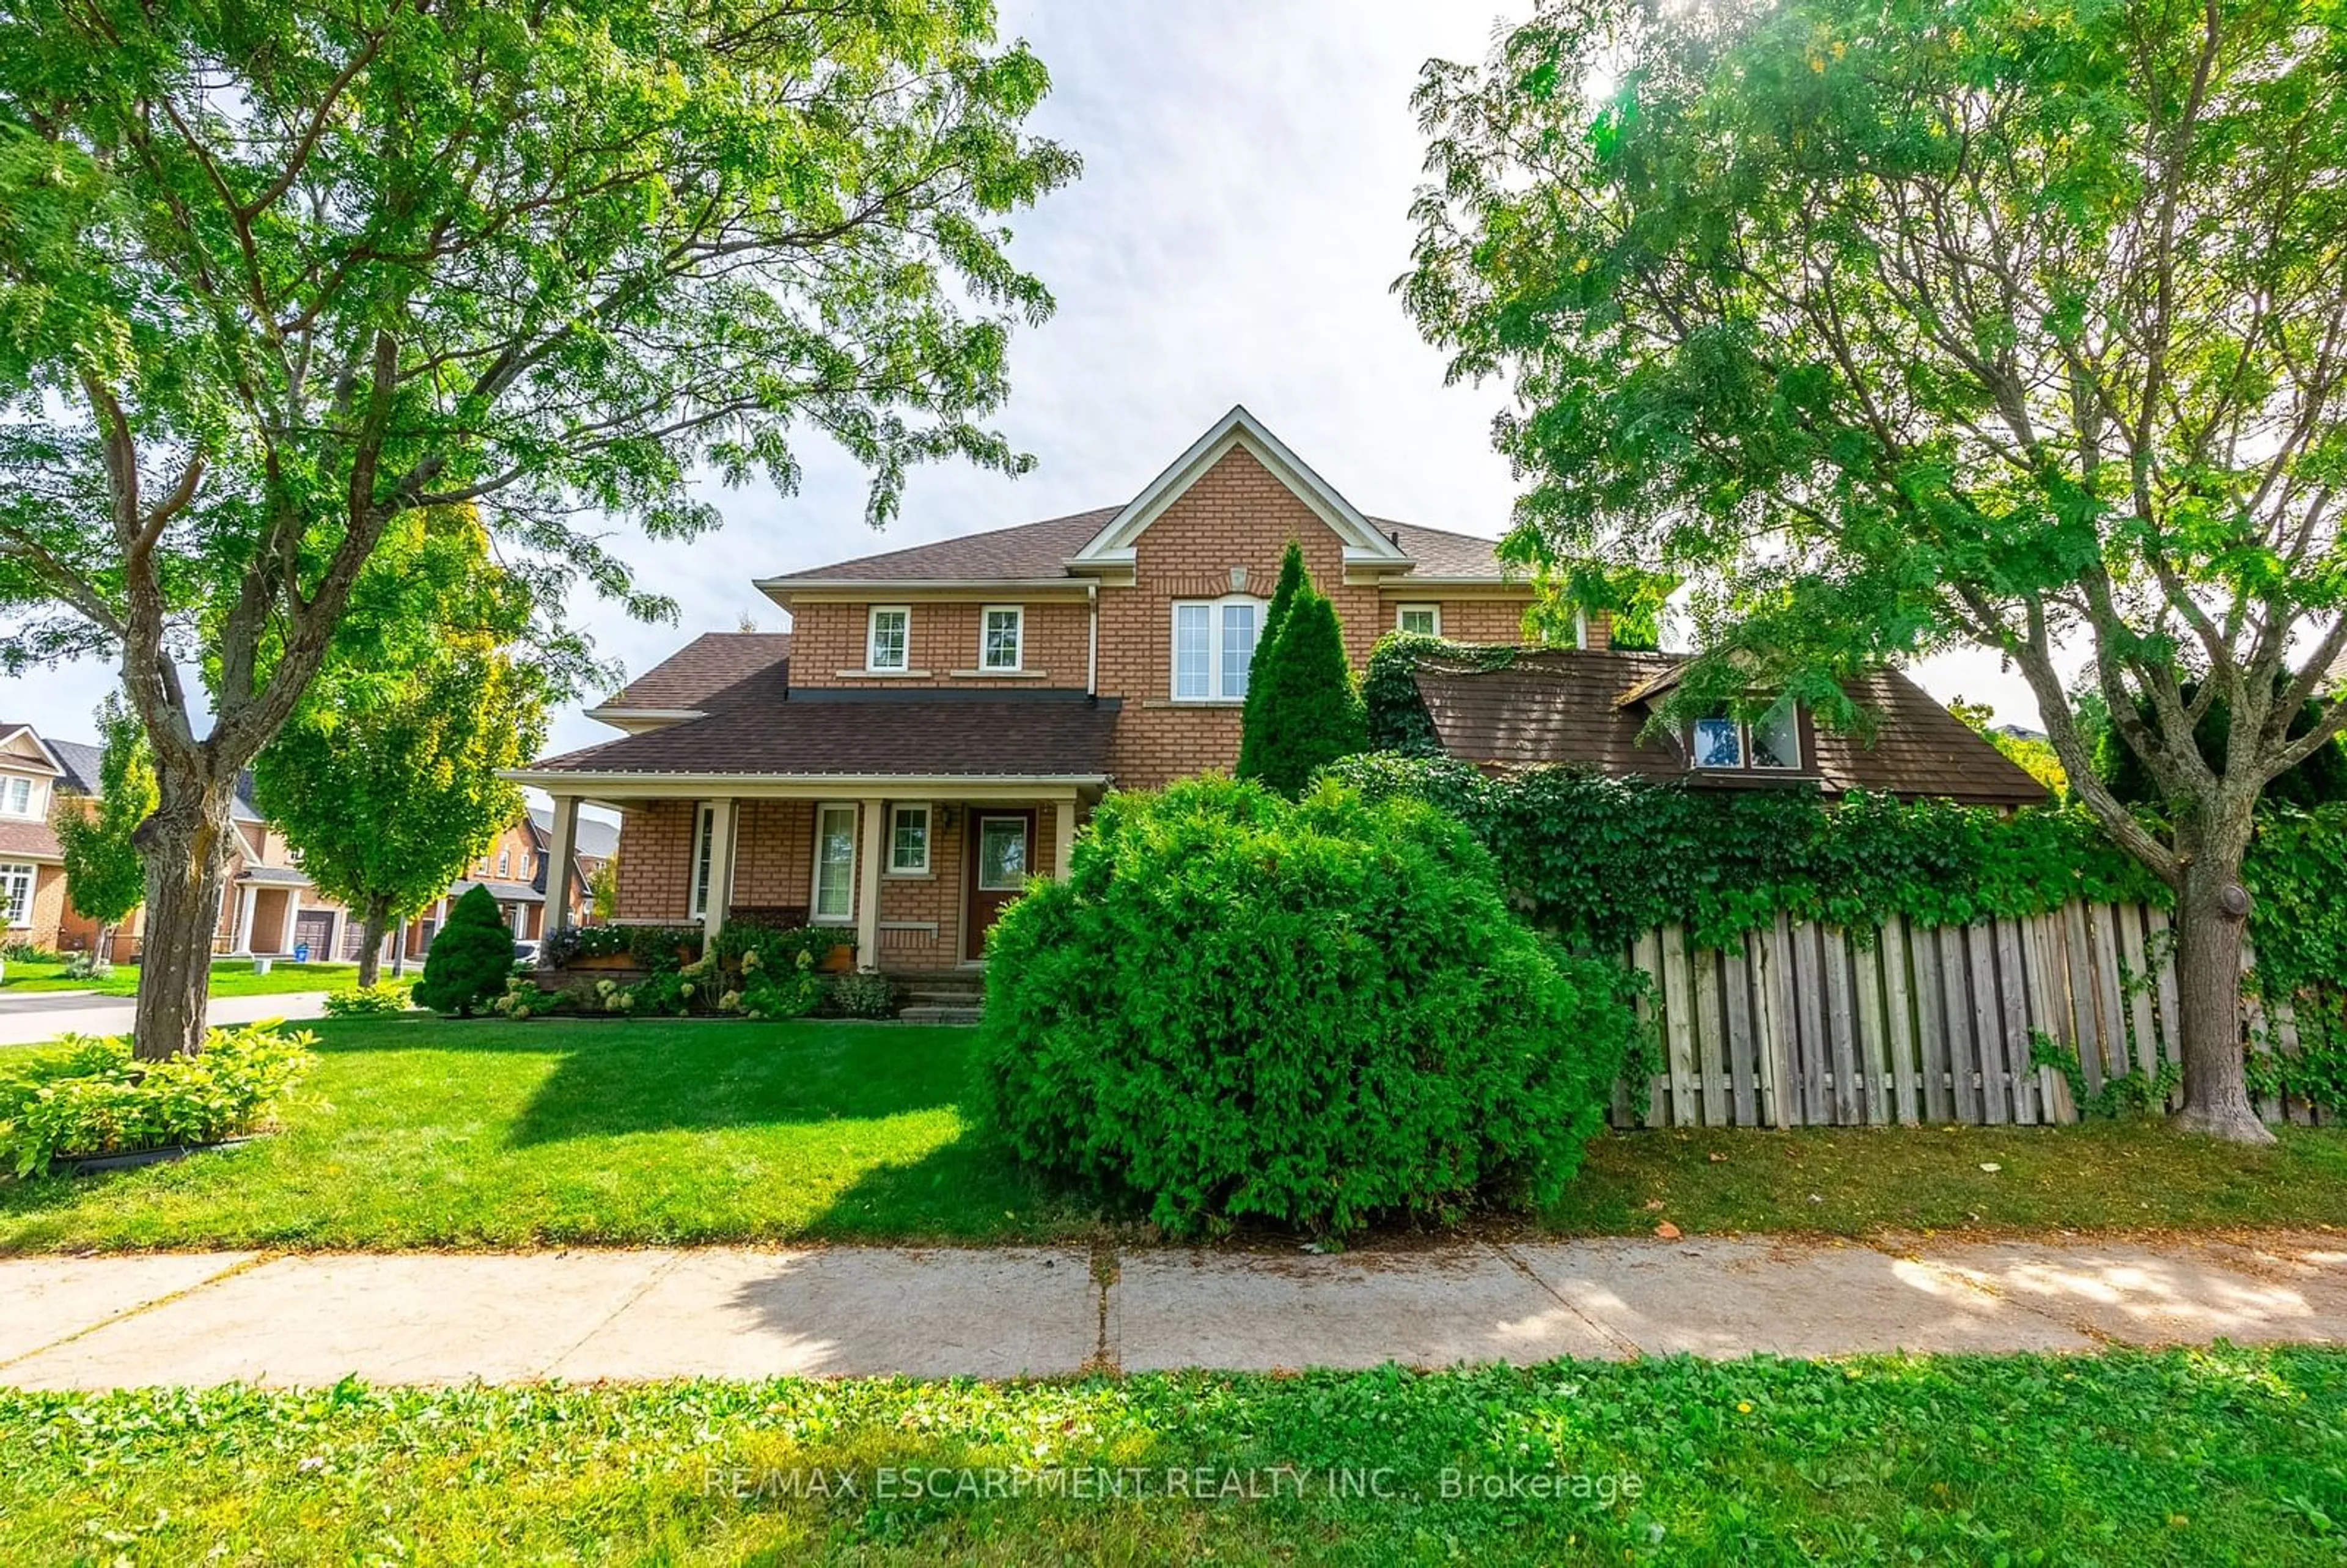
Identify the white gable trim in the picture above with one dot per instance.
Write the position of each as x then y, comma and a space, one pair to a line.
39, 756
1365, 543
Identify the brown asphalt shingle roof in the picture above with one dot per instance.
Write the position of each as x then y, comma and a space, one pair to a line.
1562, 706
33, 838
705, 668
1032, 550
1045, 734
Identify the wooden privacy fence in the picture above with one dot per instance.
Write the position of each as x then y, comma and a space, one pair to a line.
1812, 1025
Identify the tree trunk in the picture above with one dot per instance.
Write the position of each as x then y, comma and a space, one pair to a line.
376, 917
188, 842
2211, 908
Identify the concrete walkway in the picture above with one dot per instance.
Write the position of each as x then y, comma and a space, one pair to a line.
35, 1016
309, 1319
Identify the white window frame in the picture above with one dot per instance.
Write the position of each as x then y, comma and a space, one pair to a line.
928, 825
1218, 675
1800, 755
816, 914
1743, 762
505, 865
1402, 612
704, 832
32, 788
19, 881
872, 639
1018, 614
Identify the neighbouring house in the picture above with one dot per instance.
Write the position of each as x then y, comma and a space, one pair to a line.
271, 908
1593, 708
515, 870
939, 719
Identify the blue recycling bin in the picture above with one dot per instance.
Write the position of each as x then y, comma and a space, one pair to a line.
301, 952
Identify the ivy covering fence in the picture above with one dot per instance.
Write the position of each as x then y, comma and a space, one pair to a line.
1604, 863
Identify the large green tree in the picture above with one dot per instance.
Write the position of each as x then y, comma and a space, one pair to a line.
1901, 327
273, 274
387, 777
98, 840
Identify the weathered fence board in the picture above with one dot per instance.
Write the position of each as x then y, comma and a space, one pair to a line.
1812, 1025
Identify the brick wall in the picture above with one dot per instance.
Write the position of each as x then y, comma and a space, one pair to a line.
943, 638
939, 898
656, 860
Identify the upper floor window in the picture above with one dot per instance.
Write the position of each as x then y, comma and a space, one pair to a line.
888, 638
16, 797
1002, 643
1420, 619
1214, 641
1771, 741
15, 895
505, 863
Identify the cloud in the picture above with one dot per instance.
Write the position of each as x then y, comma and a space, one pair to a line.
1242, 215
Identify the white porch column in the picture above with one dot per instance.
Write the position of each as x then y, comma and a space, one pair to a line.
285, 933
874, 825
561, 851
721, 869
244, 920
1064, 836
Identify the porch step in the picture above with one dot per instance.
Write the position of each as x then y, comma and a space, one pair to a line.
946, 996
937, 1013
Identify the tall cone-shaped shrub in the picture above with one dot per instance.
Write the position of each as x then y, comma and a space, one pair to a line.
1306, 712
1293, 580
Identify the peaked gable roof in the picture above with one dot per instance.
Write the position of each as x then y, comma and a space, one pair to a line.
1364, 541
1057, 549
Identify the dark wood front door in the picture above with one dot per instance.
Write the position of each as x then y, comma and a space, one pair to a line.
1001, 853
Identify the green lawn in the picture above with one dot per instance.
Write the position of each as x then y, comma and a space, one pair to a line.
231, 977
423, 1132
2176, 1458
419, 1132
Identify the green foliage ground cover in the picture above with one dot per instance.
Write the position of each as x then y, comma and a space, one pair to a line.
2172, 1457
90, 1096
1238, 1008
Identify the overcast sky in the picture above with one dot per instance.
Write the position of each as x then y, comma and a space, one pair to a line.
1248, 165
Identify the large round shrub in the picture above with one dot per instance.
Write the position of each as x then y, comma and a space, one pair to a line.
1313, 1013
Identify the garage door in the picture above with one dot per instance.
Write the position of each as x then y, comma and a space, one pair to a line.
314, 928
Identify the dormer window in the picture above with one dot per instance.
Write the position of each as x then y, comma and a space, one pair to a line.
16, 797
888, 639
1770, 743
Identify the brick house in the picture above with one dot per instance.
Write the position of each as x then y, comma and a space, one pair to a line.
939, 720
515, 869
271, 910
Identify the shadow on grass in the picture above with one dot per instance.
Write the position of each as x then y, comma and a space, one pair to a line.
647, 1076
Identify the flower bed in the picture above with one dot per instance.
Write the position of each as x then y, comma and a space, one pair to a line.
88, 1097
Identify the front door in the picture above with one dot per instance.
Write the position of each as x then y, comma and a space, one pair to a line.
1002, 848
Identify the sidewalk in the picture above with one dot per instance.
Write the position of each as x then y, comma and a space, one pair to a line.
427, 1317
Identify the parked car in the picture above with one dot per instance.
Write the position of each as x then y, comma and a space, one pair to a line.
525, 952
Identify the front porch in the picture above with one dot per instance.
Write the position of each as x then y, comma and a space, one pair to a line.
918, 869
